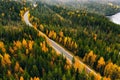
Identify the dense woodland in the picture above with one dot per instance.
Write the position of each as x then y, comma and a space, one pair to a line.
26, 55
107, 9
91, 36
9, 12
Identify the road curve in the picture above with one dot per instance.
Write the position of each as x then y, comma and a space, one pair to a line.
60, 49
57, 47
26, 19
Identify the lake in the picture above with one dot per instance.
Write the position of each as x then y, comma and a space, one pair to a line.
115, 18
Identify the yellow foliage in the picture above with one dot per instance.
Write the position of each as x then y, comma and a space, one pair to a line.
30, 44
25, 8
7, 59
2, 47
75, 45
69, 40
47, 32
31, 78
41, 27
41, 44
61, 34
52, 34
28, 15
71, 44
21, 14
24, 43
35, 26
101, 62
90, 58
2, 61
11, 50
90, 53
98, 77
91, 74
78, 66
17, 44
21, 78
3, 50
106, 78
15, 48
95, 37
93, 59
21, 70
17, 66
111, 69
65, 40
86, 57
8, 72
16, 76
1, 44
68, 65
27, 51
44, 48
1, 56
39, 34
60, 39
108, 69
36, 78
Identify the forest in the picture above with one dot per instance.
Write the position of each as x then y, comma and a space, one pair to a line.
26, 55
107, 9
90, 36
9, 12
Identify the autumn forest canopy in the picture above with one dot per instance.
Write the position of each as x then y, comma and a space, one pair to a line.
91, 37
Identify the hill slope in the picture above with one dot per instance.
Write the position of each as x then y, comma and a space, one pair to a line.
25, 54
90, 36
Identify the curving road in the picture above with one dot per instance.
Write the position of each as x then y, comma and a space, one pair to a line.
26, 19
60, 49
57, 47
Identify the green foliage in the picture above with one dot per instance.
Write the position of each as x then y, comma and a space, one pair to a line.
89, 30
21, 54
9, 11
35, 63
25, 54
107, 9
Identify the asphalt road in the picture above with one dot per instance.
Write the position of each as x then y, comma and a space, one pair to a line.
26, 19
59, 48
